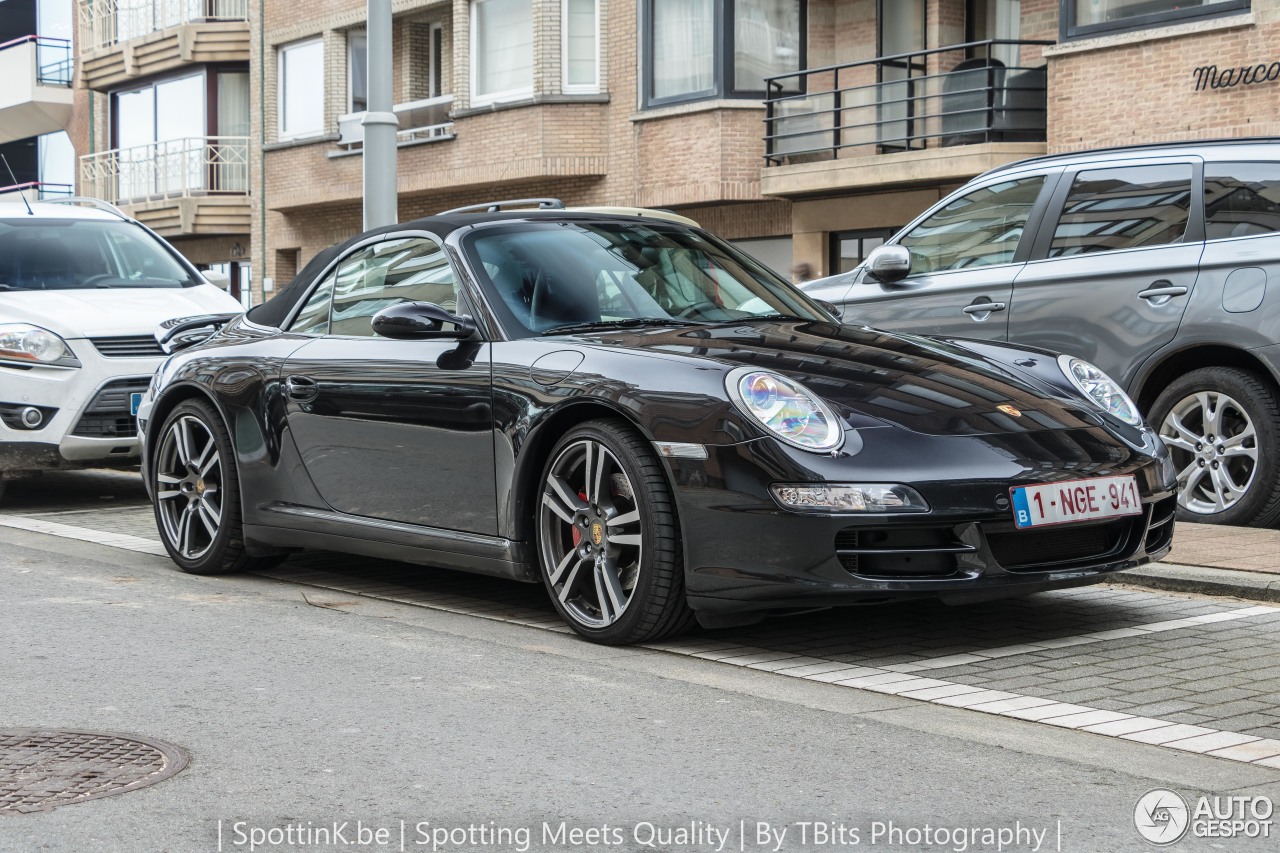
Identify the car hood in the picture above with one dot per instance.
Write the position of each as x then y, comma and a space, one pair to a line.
102, 312
920, 384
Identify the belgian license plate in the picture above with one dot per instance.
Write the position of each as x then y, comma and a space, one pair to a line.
135, 400
1075, 500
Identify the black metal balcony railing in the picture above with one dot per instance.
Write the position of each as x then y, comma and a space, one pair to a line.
51, 58
956, 95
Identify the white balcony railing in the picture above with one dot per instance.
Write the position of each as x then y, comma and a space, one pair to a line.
104, 23
420, 121
163, 170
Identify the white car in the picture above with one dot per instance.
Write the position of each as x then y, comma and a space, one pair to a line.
82, 290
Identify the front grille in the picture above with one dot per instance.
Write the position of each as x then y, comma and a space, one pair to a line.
908, 552
1061, 547
107, 415
132, 346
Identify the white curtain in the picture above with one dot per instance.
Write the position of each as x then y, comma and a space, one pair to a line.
766, 41
302, 89
580, 42
503, 46
683, 47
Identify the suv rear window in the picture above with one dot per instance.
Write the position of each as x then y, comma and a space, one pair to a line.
72, 254
1126, 208
1241, 199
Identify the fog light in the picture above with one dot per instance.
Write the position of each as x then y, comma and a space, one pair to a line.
849, 497
31, 417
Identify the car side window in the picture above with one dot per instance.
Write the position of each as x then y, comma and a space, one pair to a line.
1126, 208
313, 318
1241, 199
978, 229
405, 269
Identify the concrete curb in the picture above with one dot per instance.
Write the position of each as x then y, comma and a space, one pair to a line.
1254, 586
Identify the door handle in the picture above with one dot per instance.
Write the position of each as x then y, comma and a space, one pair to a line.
983, 308
301, 388
1162, 291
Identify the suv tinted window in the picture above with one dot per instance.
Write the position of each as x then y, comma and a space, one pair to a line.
979, 229
70, 254
408, 269
1241, 199
1126, 208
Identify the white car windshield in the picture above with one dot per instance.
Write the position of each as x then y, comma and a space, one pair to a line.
563, 275
74, 254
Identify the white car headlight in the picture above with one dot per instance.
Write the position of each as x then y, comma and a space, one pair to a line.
1103, 391
22, 342
786, 408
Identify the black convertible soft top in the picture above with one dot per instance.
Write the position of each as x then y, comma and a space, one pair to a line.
274, 311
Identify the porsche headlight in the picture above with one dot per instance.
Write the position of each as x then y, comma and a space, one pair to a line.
786, 408
1100, 389
32, 344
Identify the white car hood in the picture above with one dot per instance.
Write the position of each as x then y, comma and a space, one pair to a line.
108, 312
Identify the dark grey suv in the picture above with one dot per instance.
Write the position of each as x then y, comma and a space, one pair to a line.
1152, 262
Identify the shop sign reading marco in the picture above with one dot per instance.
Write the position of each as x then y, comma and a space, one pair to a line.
1211, 77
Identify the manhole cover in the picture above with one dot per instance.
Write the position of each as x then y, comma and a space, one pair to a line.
41, 769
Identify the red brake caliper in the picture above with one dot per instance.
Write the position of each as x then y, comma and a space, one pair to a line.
577, 534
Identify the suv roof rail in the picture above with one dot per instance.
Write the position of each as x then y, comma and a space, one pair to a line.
496, 206
1135, 148
86, 201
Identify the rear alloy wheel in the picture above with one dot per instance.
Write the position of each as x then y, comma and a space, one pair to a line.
1220, 425
608, 544
196, 493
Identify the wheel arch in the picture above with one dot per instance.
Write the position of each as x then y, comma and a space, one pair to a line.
537, 447
1158, 377
171, 399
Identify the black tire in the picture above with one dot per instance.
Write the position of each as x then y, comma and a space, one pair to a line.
1233, 479
3, 484
218, 551
655, 606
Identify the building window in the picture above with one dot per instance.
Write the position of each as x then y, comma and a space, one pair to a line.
435, 62
501, 50
696, 49
357, 71
301, 87
1085, 18
581, 46
851, 248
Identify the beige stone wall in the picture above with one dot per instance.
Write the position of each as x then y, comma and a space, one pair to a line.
1141, 87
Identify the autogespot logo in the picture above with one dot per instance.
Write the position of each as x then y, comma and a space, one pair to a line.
1161, 816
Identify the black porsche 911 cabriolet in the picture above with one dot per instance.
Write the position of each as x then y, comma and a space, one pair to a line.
625, 408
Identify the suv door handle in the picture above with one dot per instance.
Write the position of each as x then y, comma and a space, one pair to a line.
1162, 291
301, 388
983, 308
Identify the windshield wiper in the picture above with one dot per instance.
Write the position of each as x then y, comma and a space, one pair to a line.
627, 323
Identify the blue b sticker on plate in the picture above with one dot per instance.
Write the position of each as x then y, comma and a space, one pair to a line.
135, 400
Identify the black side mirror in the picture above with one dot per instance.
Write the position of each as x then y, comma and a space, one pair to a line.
832, 307
889, 262
420, 321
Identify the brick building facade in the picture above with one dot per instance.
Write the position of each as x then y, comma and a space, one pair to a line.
872, 109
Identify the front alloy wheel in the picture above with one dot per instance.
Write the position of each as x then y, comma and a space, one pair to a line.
1220, 427
607, 538
188, 494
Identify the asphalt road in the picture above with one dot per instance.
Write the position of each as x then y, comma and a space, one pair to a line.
304, 707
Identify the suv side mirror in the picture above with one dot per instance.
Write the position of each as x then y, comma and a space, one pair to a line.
420, 321
217, 278
889, 262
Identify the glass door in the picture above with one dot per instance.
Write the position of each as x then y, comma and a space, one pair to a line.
900, 30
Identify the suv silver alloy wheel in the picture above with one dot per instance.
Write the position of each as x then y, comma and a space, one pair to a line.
591, 538
1215, 449
188, 479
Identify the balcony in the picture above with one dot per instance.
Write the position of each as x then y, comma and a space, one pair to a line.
933, 116
420, 121
195, 186
35, 191
124, 39
36, 96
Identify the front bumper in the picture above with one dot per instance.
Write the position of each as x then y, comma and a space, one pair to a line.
743, 552
87, 411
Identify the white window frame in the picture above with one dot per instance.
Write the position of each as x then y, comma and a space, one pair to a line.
568, 88
352, 34
494, 97
281, 92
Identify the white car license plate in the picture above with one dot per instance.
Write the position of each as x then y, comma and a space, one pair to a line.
1075, 500
135, 400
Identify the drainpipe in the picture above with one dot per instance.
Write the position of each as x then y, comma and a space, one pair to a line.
380, 123
261, 274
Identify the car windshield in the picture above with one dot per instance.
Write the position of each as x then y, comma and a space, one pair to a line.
74, 254
566, 275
